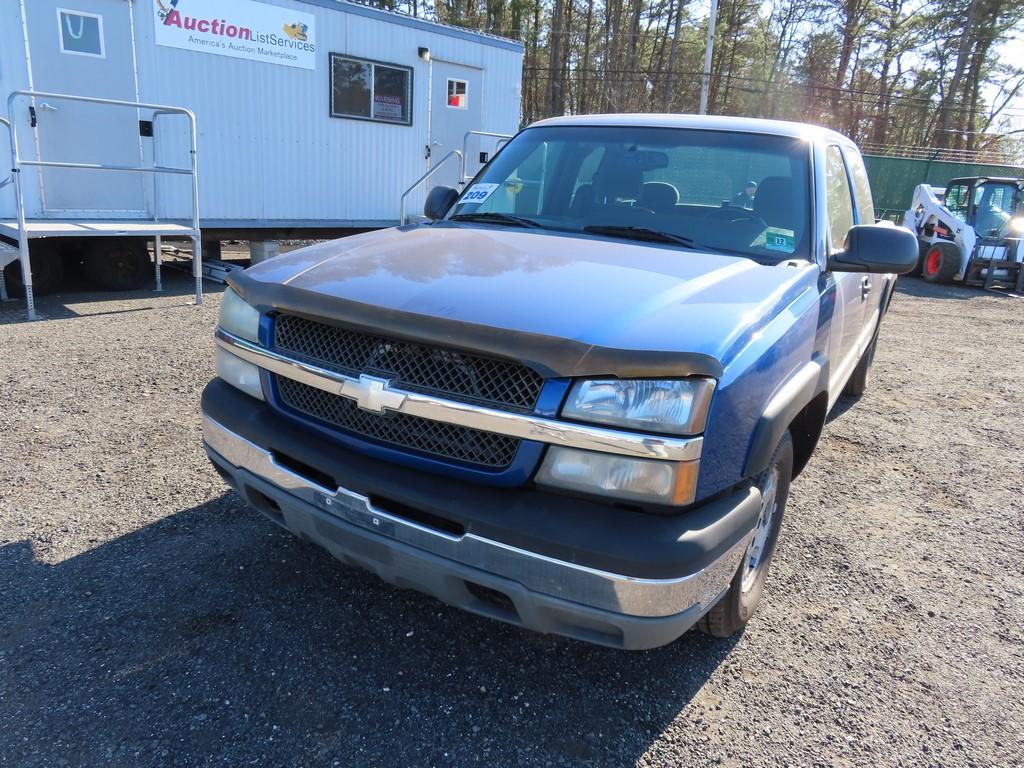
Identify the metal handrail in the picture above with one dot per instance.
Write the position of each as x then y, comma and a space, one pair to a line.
17, 163
430, 172
3, 183
10, 179
106, 167
505, 138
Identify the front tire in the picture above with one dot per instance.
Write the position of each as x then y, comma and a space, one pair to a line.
733, 611
941, 263
923, 246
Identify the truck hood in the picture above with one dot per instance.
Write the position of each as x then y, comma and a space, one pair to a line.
596, 292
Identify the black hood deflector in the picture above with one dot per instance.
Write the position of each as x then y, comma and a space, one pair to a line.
550, 356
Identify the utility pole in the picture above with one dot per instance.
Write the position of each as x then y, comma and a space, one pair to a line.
705, 81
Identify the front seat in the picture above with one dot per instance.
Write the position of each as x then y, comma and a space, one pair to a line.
659, 196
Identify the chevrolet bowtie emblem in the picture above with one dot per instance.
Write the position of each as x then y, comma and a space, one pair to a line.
372, 394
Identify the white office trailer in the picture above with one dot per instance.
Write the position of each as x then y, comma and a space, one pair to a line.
310, 118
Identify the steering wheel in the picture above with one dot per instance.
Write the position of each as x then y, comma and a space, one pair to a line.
733, 214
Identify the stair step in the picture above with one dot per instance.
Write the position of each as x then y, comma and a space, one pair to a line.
8, 253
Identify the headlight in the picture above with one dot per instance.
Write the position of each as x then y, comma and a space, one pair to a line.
237, 317
673, 406
606, 474
240, 319
239, 373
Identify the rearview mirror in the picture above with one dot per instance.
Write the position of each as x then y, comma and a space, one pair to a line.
439, 200
643, 160
879, 248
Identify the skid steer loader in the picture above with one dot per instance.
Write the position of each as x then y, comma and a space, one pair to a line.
972, 234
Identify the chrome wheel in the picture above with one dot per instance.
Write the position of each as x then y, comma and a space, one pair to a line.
758, 547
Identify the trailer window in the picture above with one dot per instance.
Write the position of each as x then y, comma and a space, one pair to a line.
458, 96
362, 89
81, 33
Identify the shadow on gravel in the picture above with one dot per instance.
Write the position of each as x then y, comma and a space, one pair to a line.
843, 404
211, 637
68, 304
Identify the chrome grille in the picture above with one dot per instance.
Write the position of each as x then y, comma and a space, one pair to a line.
409, 365
434, 438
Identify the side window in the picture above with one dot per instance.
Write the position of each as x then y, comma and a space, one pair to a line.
588, 167
522, 192
861, 187
956, 200
370, 90
81, 33
840, 203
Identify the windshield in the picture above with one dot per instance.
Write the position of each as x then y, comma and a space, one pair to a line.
734, 192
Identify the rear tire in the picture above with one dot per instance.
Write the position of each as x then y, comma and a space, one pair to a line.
118, 265
941, 262
733, 611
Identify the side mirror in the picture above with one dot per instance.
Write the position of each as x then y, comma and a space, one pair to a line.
879, 248
439, 200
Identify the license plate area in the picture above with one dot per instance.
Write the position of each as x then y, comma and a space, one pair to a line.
355, 509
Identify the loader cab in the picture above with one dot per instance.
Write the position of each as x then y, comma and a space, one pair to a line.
986, 203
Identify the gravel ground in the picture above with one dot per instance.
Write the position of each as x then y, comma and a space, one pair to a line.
148, 618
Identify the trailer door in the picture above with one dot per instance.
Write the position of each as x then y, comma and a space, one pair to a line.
85, 48
454, 109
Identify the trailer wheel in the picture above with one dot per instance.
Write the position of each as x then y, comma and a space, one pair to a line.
118, 265
47, 271
941, 263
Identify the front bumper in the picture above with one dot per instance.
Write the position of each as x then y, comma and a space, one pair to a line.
549, 563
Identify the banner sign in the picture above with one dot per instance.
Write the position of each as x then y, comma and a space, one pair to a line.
239, 28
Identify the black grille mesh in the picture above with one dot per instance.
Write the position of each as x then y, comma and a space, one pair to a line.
416, 367
434, 438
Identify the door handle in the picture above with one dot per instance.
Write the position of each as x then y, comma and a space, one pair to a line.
865, 287
47, 107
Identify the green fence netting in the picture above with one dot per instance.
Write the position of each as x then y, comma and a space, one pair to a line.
893, 178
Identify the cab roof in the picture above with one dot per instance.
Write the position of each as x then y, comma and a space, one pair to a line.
703, 122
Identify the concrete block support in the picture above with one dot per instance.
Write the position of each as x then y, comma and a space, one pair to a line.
261, 250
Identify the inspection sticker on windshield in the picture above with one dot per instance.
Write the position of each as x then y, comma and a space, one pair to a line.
776, 239
478, 193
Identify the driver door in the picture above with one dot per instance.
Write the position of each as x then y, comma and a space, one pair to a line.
852, 288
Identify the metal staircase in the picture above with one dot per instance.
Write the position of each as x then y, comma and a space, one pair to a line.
22, 230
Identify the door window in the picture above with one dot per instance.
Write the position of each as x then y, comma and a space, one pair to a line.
81, 34
458, 94
862, 187
840, 203
370, 90
994, 205
956, 200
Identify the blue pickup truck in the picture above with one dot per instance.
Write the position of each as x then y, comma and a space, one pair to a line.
575, 397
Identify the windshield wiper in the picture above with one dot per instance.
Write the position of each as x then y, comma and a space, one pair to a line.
491, 217
640, 233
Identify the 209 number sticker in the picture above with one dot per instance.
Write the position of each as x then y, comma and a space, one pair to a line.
478, 193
